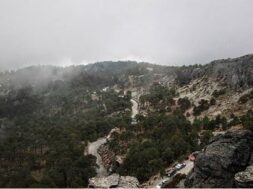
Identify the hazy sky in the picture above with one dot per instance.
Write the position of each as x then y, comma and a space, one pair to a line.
172, 32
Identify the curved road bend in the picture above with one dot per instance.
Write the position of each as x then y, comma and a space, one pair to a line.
93, 146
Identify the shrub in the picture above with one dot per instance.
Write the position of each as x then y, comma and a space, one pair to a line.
206, 136
246, 97
184, 103
203, 105
218, 93
233, 120
247, 120
212, 101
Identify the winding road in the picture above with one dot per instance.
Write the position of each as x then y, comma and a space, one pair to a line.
93, 146
186, 170
93, 150
134, 108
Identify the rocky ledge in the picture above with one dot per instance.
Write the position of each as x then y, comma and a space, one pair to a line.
219, 164
244, 179
106, 155
114, 181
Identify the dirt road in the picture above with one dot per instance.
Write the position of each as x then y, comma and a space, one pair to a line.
93, 150
93, 146
134, 108
186, 170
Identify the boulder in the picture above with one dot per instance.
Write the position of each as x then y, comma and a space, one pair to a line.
128, 182
104, 182
244, 179
113, 181
222, 158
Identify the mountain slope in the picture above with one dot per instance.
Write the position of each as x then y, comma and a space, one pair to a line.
48, 115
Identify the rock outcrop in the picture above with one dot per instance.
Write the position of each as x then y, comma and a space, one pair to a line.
222, 158
244, 179
114, 180
107, 156
128, 182
233, 73
104, 182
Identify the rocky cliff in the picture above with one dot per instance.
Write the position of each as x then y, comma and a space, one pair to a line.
218, 164
233, 73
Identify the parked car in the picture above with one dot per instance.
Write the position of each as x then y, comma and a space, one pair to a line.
171, 172
180, 166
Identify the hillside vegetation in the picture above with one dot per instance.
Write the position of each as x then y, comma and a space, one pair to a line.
49, 114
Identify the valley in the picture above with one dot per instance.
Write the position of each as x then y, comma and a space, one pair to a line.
118, 124
126, 94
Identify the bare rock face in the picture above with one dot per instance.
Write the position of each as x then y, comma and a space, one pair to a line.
113, 181
107, 155
244, 179
128, 182
223, 157
233, 73
104, 182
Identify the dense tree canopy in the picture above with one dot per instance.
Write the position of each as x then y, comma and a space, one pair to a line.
159, 141
44, 133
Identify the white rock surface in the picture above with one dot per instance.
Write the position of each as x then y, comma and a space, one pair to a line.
114, 180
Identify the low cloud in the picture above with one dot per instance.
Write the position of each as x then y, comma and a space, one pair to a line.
172, 32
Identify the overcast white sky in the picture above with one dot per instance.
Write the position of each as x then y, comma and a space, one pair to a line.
172, 32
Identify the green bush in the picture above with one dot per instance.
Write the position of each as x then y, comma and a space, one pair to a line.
167, 138
246, 97
218, 93
203, 105
184, 104
157, 94
247, 120
212, 101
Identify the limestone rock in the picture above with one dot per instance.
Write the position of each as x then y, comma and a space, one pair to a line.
114, 180
244, 179
104, 182
128, 182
